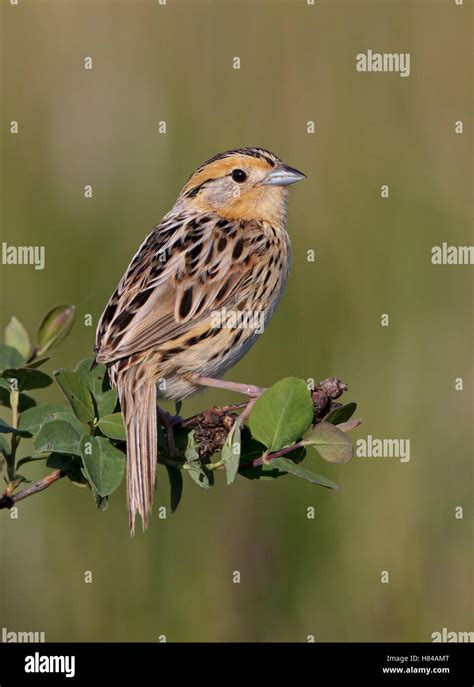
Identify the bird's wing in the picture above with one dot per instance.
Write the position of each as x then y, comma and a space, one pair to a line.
186, 268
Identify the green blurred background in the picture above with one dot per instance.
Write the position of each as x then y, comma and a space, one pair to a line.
299, 577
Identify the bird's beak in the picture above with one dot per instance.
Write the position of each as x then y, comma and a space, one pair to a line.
283, 176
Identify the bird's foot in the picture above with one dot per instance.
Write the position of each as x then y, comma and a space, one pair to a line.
169, 422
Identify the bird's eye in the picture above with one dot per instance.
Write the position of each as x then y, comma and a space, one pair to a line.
239, 175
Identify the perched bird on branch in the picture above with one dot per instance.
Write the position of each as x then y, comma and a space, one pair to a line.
185, 310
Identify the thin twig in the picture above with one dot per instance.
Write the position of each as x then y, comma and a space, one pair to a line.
268, 459
8, 501
247, 410
11, 458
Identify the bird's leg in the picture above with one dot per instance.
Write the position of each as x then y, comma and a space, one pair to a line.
250, 390
169, 421
246, 411
247, 389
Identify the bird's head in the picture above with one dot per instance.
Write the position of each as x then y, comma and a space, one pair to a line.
242, 184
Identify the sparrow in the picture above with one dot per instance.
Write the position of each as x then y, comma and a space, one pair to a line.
185, 310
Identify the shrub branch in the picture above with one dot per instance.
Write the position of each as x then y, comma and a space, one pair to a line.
9, 500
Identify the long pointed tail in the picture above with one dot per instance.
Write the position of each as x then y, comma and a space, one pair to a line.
138, 405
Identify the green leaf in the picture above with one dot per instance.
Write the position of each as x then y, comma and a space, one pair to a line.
25, 402
20, 478
71, 465
28, 378
17, 337
231, 450
331, 444
194, 467
252, 449
190, 452
38, 363
288, 466
5, 448
58, 436
341, 414
63, 461
102, 502
112, 426
97, 381
32, 419
104, 464
10, 358
54, 327
77, 393
198, 475
350, 424
5, 428
282, 414
29, 459
176, 486
68, 416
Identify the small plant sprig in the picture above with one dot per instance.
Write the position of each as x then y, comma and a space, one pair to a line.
85, 439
